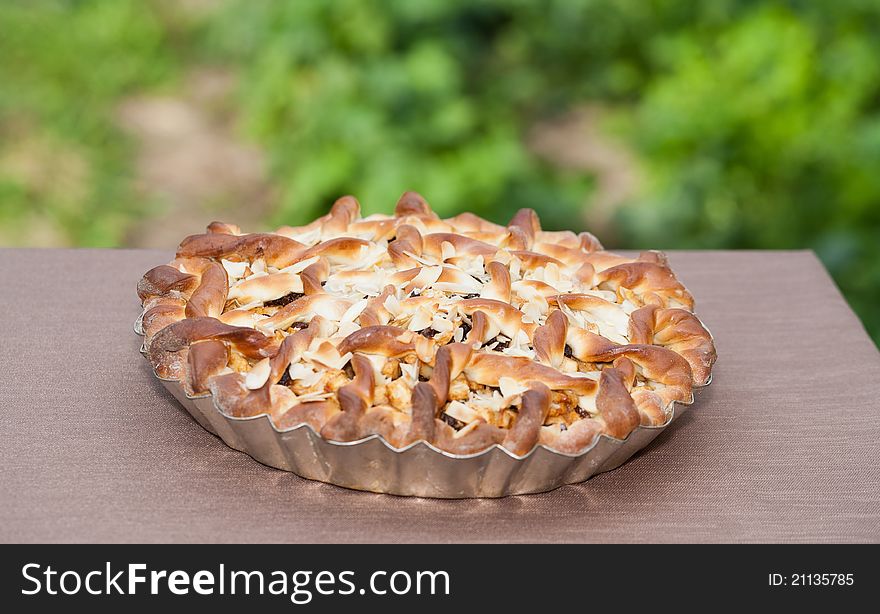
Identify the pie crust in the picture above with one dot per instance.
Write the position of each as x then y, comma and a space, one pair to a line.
458, 332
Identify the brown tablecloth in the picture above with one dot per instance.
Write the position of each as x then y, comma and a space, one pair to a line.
783, 446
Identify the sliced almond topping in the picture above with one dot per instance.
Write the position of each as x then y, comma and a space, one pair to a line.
327, 355
314, 396
411, 372
309, 237
466, 429
258, 375
520, 339
467, 285
441, 324
371, 287
524, 290
447, 251
503, 256
524, 352
493, 402
628, 307
510, 387
421, 319
392, 304
425, 348
346, 328
378, 363
235, 270
475, 266
532, 312
588, 404
460, 411
420, 259
515, 267
303, 373
370, 255
258, 266
354, 311
551, 273
427, 276
302, 265
266, 287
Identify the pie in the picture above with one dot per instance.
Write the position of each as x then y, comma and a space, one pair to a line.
458, 332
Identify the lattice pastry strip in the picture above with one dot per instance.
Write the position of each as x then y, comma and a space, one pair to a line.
458, 331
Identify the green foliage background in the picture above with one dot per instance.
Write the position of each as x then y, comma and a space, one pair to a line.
755, 124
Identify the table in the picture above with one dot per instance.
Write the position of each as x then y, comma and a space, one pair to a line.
784, 445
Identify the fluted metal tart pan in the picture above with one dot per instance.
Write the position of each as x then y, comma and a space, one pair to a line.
419, 469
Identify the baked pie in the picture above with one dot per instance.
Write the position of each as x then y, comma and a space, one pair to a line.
459, 332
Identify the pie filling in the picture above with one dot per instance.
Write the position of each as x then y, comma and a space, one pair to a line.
456, 331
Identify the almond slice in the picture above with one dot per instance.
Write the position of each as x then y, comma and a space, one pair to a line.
447, 251
235, 270
510, 387
258, 375
421, 319
392, 305
460, 411
354, 311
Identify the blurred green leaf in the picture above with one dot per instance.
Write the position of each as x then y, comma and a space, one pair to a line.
753, 125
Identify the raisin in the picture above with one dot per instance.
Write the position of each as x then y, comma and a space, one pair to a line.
502, 345
285, 379
583, 413
299, 325
454, 423
568, 351
428, 332
284, 300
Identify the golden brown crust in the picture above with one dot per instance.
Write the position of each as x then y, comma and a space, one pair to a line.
649, 283
277, 250
209, 297
678, 330
459, 332
205, 360
165, 281
523, 435
616, 407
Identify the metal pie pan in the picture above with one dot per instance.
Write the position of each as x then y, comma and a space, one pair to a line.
417, 470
